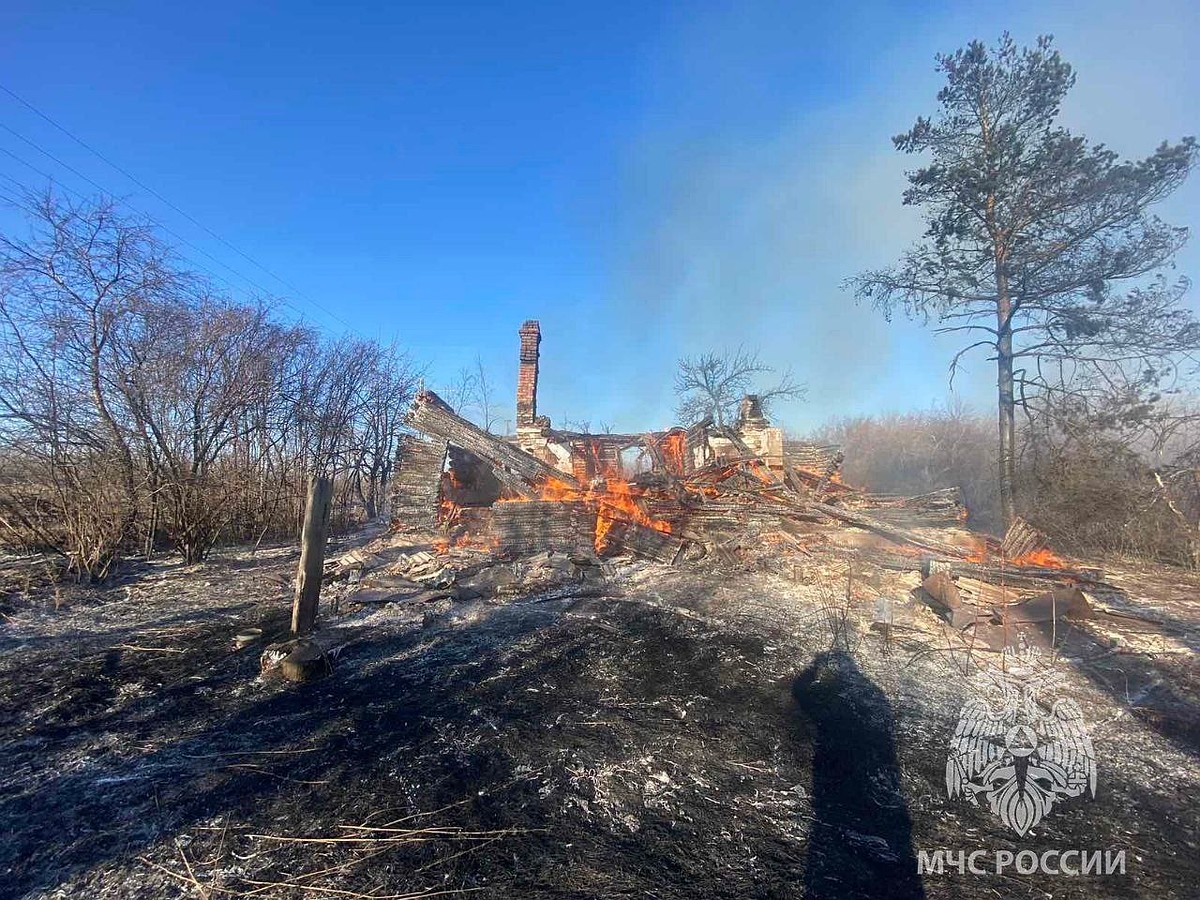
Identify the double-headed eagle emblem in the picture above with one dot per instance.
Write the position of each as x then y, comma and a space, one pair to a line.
1020, 749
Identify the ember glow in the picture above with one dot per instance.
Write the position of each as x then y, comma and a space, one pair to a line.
988, 554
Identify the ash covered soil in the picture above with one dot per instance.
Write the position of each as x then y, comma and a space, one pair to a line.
641, 731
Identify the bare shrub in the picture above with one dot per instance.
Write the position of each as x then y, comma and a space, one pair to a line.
1095, 482
917, 452
139, 407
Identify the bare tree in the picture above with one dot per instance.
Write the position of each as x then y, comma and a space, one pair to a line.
70, 292
484, 396
460, 393
472, 395
712, 384
137, 404
189, 380
388, 392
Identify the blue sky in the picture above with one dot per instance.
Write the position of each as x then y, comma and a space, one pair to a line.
648, 179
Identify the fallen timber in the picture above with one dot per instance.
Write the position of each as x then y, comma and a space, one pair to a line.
1006, 574
891, 532
517, 470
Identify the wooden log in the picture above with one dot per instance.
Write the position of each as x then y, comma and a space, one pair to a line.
1021, 539
891, 532
536, 525
416, 484
312, 555
519, 471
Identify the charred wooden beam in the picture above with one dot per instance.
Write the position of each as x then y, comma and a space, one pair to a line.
652, 444
649, 443
519, 471
528, 527
696, 439
793, 480
644, 542
891, 532
416, 483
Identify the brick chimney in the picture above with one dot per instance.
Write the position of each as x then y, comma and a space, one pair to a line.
527, 375
750, 415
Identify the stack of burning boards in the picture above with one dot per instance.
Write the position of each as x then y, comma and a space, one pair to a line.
703, 492
680, 497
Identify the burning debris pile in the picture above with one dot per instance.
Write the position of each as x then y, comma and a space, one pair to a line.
689, 493
493, 494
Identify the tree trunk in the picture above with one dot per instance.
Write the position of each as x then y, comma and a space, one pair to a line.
1007, 402
312, 555
128, 477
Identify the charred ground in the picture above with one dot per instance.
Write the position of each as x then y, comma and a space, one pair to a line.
657, 731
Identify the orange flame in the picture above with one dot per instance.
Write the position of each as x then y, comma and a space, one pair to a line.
674, 448
616, 501
1044, 558
985, 553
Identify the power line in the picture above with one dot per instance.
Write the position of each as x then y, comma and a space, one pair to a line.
22, 186
167, 202
49, 177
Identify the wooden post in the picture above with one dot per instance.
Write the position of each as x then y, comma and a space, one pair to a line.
312, 555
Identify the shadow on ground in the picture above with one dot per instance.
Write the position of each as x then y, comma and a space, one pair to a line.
860, 842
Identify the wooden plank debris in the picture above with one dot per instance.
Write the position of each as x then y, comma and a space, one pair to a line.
526, 527
519, 471
416, 484
899, 535
1021, 540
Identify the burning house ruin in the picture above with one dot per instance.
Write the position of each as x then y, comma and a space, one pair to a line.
686, 490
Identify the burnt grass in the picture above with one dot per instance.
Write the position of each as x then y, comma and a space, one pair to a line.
667, 739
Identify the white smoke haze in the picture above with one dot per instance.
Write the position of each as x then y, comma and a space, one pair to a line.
740, 220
